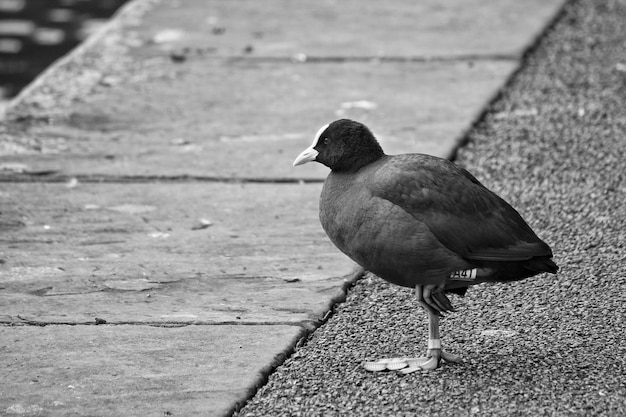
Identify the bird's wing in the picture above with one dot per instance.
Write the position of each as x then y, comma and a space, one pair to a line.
463, 215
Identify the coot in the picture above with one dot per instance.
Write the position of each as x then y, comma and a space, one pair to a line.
420, 222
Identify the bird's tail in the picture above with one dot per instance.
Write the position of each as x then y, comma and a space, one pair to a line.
516, 270
541, 264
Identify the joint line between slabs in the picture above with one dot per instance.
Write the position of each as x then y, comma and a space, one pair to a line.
144, 179
304, 59
32, 323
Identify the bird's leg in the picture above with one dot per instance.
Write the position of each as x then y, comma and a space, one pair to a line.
432, 298
434, 354
434, 301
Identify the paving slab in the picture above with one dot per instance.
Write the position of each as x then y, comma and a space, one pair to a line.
136, 370
242, 119
171, 93
353, 28
183, 252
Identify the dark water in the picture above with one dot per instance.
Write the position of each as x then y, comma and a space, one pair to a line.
34, 33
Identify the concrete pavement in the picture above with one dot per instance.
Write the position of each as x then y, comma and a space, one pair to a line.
160, 255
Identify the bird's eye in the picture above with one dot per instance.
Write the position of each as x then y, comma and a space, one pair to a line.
326, 141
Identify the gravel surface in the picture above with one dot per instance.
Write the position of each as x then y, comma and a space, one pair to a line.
554, 145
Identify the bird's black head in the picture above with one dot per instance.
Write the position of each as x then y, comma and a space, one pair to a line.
343, 145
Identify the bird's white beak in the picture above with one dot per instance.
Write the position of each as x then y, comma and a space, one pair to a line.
308, 155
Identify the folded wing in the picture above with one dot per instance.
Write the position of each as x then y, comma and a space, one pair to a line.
463, 215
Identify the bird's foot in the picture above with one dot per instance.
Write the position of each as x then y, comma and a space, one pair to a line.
429, 363
408, 365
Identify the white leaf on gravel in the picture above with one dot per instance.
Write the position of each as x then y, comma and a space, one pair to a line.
132, 208
498, 333
159, 235
516, 113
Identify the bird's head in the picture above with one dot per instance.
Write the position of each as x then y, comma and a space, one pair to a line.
343, 145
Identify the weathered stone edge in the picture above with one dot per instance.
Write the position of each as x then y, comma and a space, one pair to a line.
48, 94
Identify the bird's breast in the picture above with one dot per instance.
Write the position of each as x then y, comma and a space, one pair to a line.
382, 237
